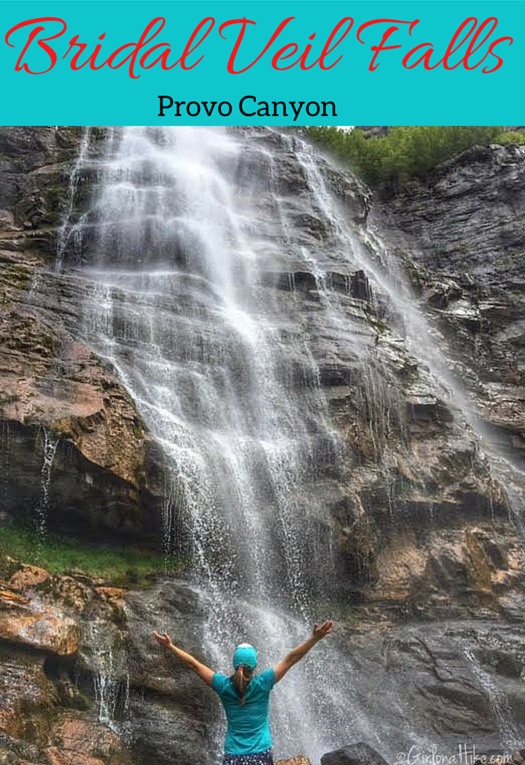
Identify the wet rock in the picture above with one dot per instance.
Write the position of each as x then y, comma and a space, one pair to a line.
446, 670
410, 516
356, 754
360, 287
512, 606
44, 622
423, 404
29, 577
14, 751
57, 756
74, 737
35, 624
173, 713
34, 176
60, 404
165, 733
463, 243
114, 595
440, 294
27, 696
175, 607
353, 196
42, 611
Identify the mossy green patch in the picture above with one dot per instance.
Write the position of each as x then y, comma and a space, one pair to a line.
138, 431
115, 565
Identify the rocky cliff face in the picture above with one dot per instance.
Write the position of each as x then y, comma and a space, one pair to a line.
429, 586
464, 247
54, 389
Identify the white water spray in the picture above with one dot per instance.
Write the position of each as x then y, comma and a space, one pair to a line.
185, 229
50, 443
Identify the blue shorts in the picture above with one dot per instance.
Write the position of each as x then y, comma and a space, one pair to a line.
261, 758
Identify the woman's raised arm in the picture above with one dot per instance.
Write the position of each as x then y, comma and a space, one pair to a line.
204, 672
319, 632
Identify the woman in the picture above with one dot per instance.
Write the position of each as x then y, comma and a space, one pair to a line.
245, 696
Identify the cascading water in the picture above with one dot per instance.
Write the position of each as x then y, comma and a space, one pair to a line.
64, 232
187, 230
422, 337
49, 445
176, 262
109, 675
498, 701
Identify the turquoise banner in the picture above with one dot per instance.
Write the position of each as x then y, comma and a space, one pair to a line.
125, 62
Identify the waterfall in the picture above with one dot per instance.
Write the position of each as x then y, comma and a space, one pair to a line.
49, 447
177, 259
65, 231
109, 674
500, 707
180, 252
421, 336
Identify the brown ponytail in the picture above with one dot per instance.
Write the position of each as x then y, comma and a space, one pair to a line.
241, 680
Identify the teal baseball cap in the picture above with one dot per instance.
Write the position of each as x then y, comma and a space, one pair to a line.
246, 655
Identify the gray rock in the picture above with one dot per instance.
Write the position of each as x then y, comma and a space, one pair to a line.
355, 754
426, 567
461, 236
172, 714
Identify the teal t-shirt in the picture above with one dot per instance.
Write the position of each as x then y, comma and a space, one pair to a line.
248, 726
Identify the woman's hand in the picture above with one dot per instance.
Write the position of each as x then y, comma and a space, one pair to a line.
318, 633
204, 672
323, 630
164, 639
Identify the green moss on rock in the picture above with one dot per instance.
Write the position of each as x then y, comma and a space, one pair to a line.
58, 554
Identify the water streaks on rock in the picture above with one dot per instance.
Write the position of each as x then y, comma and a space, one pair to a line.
227, 344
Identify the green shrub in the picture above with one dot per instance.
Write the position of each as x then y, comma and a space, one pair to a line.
510, 136
405, 152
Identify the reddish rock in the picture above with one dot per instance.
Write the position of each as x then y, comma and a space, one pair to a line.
81, 736
114, 595
36, 624
10, 599
58, 756
29, 577
89, 408
27, 696
111, 592
60, 402
15, 751
71, 594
